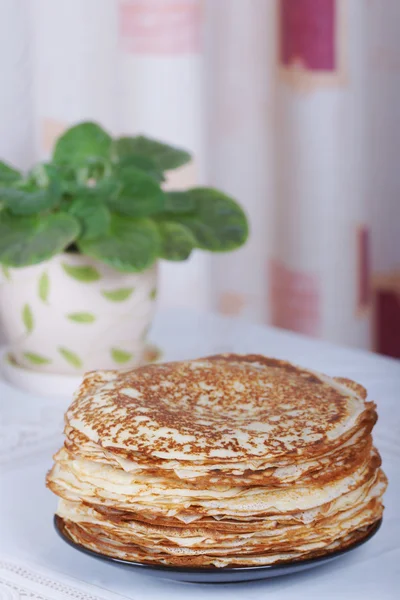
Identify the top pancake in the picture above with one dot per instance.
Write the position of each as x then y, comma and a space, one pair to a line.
222, 408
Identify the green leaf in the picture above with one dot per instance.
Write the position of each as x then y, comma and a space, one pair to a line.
119, 295
218, 223
44, 175
96, 191
82, 317
205, 236
44, 287
41, 190
71, 357
36, 359
84, 144
120, 356
31, 240
68, 177
164, 156
6, 272
177, 241
75, 178
27, 318
179, 202
8, 174
26, 200
138, 196
93, 216
103, 188
130, 244
153, 294
143, 163
85, 273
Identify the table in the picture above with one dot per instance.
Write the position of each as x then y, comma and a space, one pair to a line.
34, 562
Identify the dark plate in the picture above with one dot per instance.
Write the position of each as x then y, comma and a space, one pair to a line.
214, 574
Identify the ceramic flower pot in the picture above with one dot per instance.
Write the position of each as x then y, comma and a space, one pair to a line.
73, 314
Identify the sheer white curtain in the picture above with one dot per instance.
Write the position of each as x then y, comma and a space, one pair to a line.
289, 105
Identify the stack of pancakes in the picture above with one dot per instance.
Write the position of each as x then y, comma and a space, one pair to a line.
229, 460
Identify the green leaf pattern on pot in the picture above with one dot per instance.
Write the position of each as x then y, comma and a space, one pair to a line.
120, 356
85, 273
44, 287
72, 358
81, 317
36, 359
36, 315
118, 295
27, 318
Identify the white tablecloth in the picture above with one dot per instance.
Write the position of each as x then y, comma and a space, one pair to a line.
34, 562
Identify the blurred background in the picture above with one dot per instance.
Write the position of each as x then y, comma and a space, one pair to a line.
291, 106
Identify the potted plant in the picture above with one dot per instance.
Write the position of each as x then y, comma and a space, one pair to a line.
80, 239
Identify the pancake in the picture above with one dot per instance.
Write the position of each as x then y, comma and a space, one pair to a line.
349, 455
89, 482
226, 460
202, 542
103, 545
223, 408
318, 524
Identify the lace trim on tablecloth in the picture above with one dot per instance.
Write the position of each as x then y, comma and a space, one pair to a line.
18, 581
